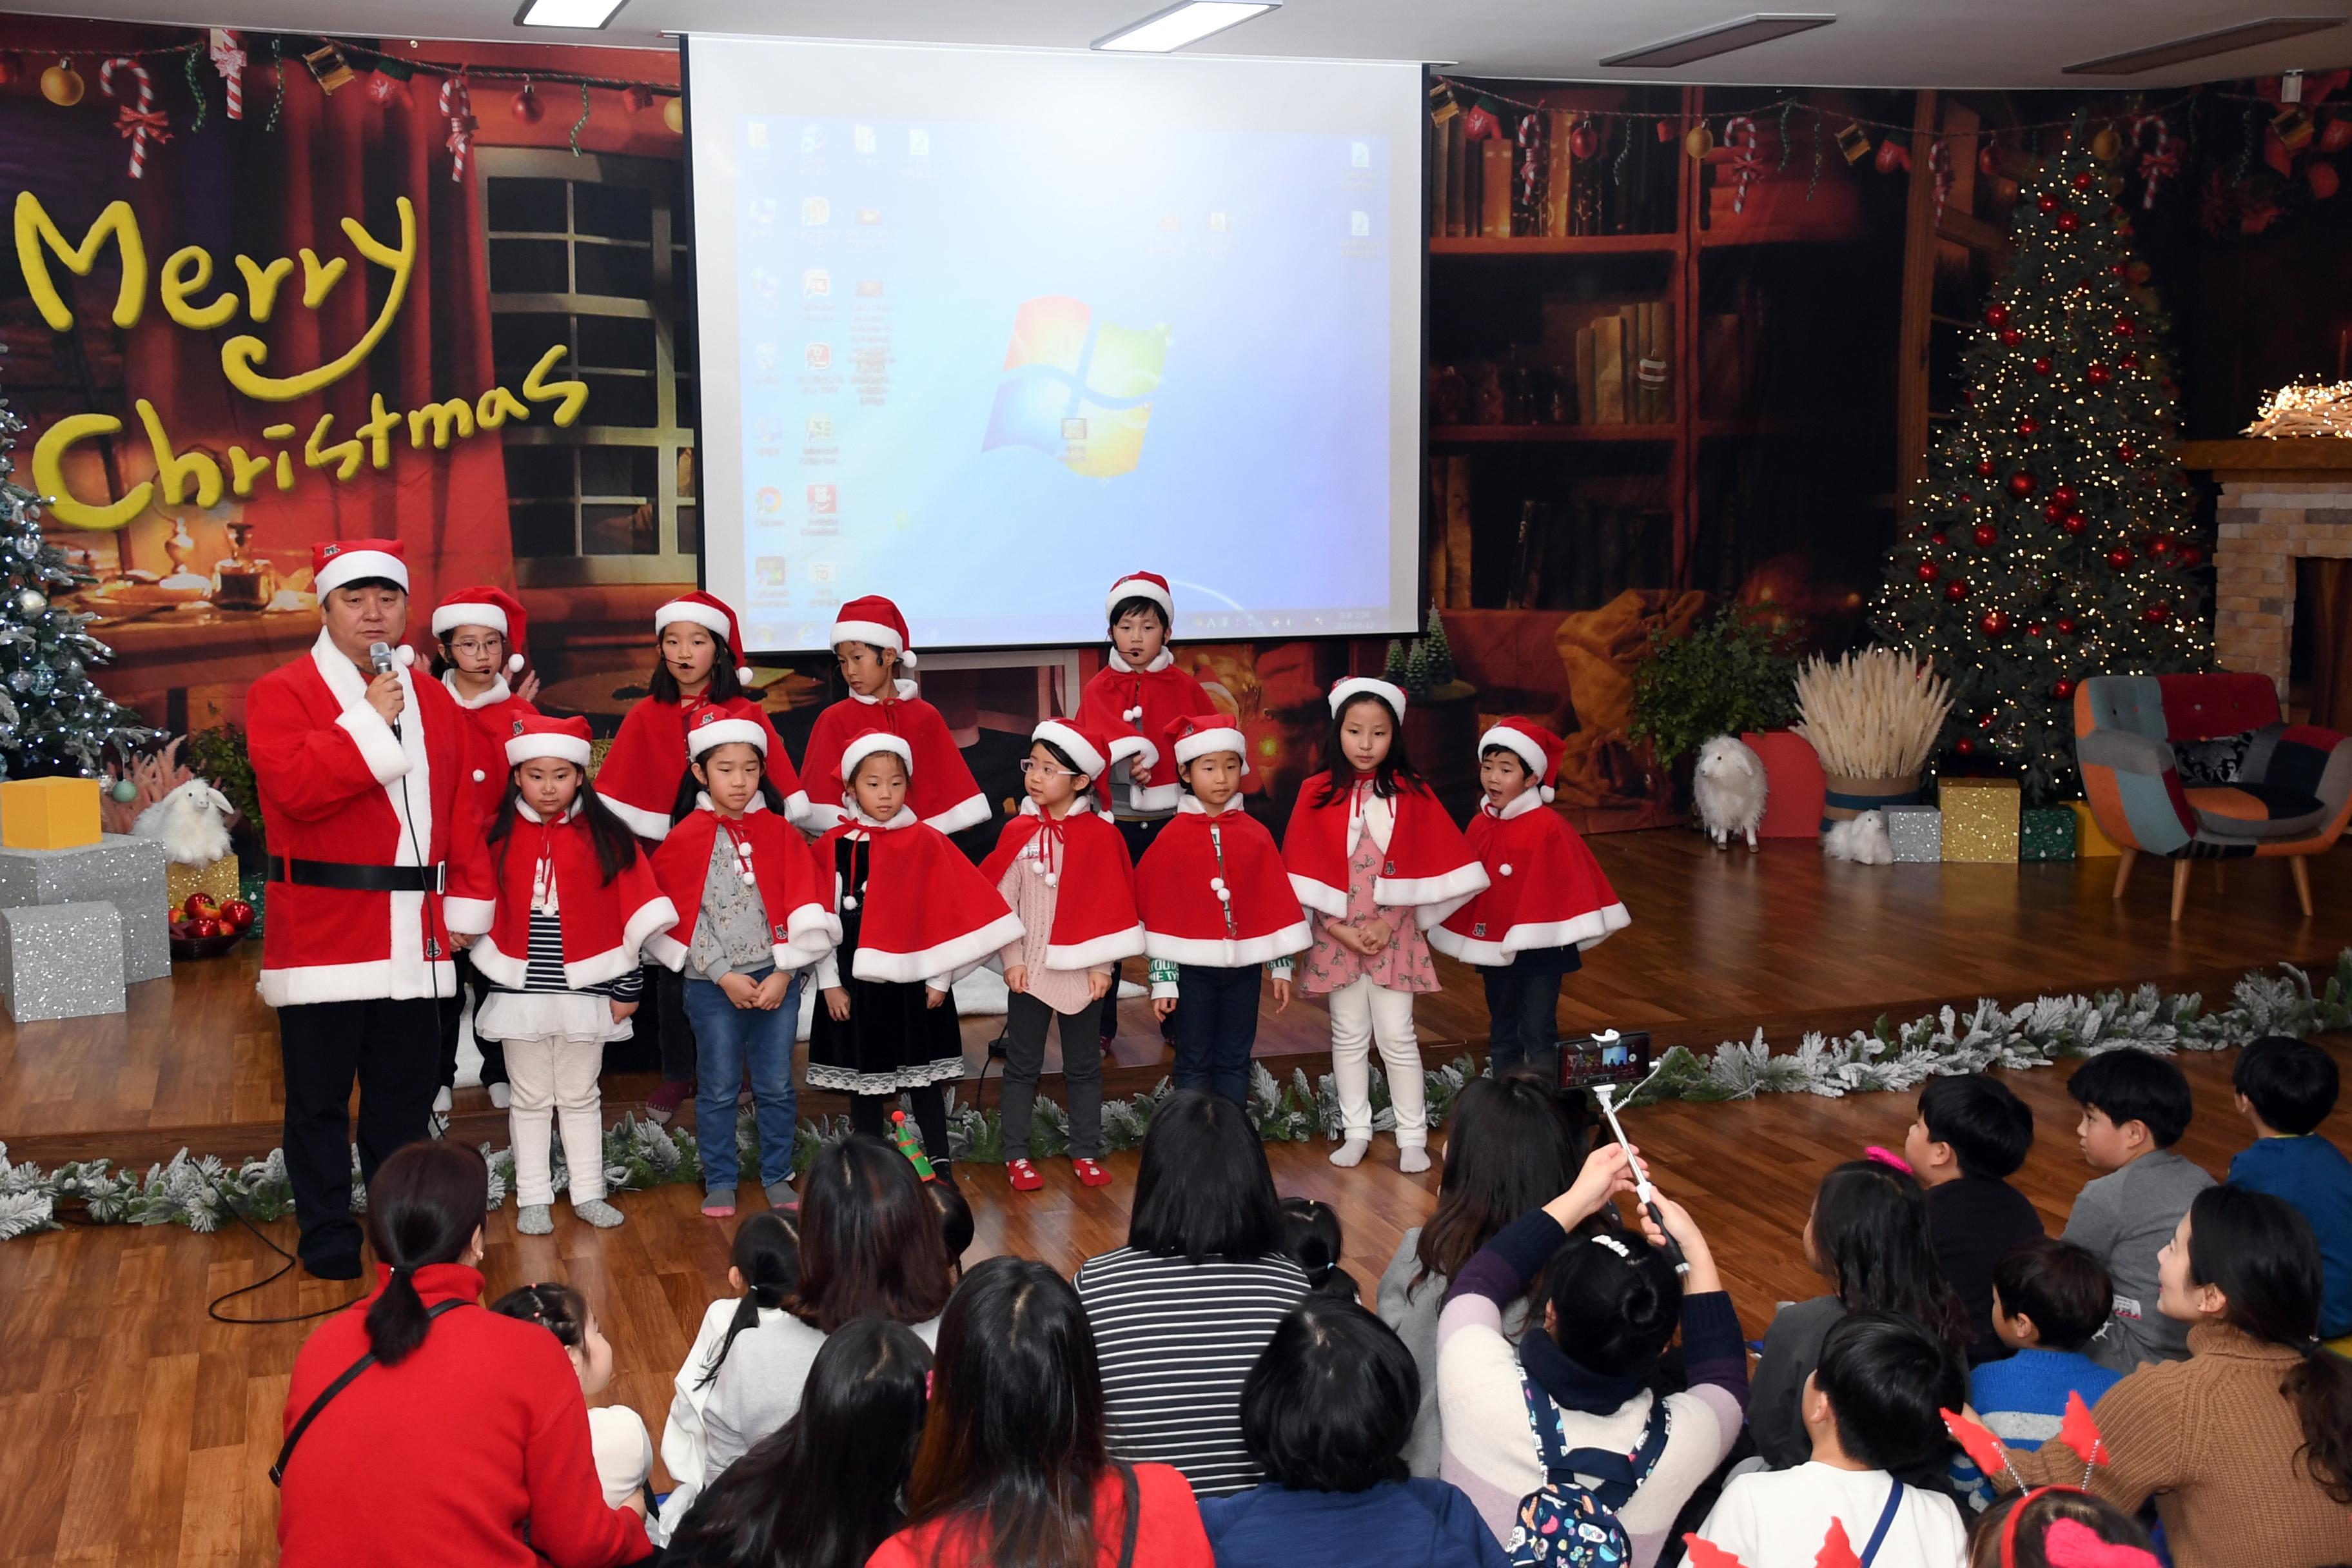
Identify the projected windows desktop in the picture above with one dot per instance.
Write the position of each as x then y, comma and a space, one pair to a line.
986, 364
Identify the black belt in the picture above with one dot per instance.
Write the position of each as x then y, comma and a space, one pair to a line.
345, 877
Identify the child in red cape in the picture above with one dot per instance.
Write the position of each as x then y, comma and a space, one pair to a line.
480, 631
1545, 902
753, 915
915, 916
560, 944
1064, 871
1137, 694
1216, 905
869, 640
1374, 855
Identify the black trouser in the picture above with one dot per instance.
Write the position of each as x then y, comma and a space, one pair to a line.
1026, 1018
1139, 837
494, 1055
1216, 1025
1525, 1012
392, 1047
871, 1113
669, 987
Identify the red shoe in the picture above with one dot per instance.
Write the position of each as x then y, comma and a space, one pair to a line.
1089, 1173
662, 1103
1024, 1175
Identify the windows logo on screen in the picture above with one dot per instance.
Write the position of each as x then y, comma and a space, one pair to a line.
1076, 388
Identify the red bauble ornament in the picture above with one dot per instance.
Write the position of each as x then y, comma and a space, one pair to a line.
2042, 365
2033, 628
527, 107
2020, 483
2062, 690
1928, 571
1936, 538
2053, 513
2117, 269
1584, 141
2160, 546
2064, 494
2097, 374
1667, 134
1986, 536
1996, 315
2069, 221
1984, 467
2011, 337
1957, 589
2066, 625
237, 913
2119, 558
1967, 500
2190, 556
1966, 746
2082, 180
2323, 180
12, 70
2045, 203
2027, 425
2125, 326
2157, 612
1993, 623
2125, 452
2075, 522
2129, 361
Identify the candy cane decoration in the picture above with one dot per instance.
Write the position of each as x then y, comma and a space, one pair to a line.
1939, 164
1530, 137
1747, 161
228, 58
139, 124
2159, 161
458, 106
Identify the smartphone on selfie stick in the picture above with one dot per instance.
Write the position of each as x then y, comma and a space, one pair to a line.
1616, 1066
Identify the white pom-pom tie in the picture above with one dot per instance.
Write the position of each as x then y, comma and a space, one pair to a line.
849, 902
1036, 868
406, 656
1505, 870
1218, 883
514, 664
1224, 895
749, 879
1133, 714
479, 775
1053, 879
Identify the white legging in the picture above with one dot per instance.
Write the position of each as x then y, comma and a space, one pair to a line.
551, 1080
1362, 1013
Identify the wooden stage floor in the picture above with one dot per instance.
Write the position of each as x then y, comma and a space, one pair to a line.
138, 1432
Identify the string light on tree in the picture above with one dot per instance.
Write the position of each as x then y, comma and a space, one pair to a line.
2068, 413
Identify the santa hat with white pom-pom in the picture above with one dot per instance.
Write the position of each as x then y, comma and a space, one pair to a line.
1533, 744
339, 563
712, 615
876, 622
486, 606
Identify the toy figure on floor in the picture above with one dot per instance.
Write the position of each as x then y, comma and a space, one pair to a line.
1545, 902
915, 916
1374, 855
869, 640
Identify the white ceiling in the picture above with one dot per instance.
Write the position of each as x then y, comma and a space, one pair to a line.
1875, 43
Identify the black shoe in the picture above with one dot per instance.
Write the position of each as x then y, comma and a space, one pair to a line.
334, 1266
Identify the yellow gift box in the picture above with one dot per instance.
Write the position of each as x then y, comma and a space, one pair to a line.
1980, 818
217, 881
48, 814
2088, 839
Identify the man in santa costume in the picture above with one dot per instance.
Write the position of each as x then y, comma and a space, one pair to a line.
375, 833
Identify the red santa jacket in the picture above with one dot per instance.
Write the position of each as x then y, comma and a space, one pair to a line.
800, 918
474, 1450
1121, 700
1212, 891
338, 784
1429, 866
1084, 860
493, 717
605, 924
1548, 890
941, 789
639, 777
928, 913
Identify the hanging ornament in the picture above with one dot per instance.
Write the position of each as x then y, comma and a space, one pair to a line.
2161, 546
62, 85
2098, 373
674, 115
2053, 513
29, 601
1854, 142
2125, 452
391, 80
1996, 315
328, 69
123, 791
1993, 623
2063, 495
2104, 145
1480, 124
1966, 746
2157, 612
2020, 483
1987, 165
2190, 555
2011, 337
526, 107
2129, 362
2045, 203
12, 69
1746, 160
226, 52
1584, 143
2062, 690
2293, 125
457, 106
582, 123
2033, 628
2125, 326
1938, 538
1957, 589
2082, 181
2069, 221
2119, 558
2027, 425
2066, 625
1698, 142
2042, 365
1929, 571
2159, 156
1986, 534
2075, 522
1939, 170
2323, 180
1442, 106
137, 125
1984, 467
1893, 156
636, 97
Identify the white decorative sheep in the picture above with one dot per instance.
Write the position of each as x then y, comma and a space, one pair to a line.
1728, 784
191, 823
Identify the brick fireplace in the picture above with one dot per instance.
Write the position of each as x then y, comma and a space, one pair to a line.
2281, 502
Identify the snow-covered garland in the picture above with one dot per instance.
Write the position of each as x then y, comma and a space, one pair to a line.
202, 1194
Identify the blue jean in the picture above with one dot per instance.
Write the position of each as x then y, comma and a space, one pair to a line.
728, 1040
1216, 1025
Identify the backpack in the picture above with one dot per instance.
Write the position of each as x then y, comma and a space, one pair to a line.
1565, 1523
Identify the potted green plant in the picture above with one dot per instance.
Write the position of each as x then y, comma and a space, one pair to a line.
1727, 676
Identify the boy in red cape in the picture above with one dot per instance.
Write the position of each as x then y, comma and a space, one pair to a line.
1545, 902
915, 916
1216, 904
1064, 871
1374, 855
869, 639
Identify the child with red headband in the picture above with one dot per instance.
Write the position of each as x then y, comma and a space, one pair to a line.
561, 944
914, 917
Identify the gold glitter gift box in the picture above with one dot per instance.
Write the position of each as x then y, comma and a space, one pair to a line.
1980, 818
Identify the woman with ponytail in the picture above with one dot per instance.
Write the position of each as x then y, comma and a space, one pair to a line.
421, 1428
763, 1270
2246, 1446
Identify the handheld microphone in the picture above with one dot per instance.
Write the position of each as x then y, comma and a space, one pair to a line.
380, 655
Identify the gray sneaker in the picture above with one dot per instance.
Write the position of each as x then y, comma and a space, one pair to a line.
536, 1219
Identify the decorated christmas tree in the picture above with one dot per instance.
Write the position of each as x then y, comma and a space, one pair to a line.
53, 717
1392, 667
2051, 538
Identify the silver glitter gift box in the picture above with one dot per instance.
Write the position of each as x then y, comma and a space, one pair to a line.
118, 870
61, 960
1916, 831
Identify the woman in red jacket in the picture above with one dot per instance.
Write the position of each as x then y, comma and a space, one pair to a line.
1016, 1356
463, 1437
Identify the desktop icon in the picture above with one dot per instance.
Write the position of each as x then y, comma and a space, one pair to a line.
755, 135
1360, 156
1066, 368
770, 569
869, 287
1217, 223
821, 501
820, 356
820, 426
811, 139
764, 357
816, 283
762, 209
770, 499
918, 142
820, 571
815, 211
1359, 225
862, 138
869, 216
